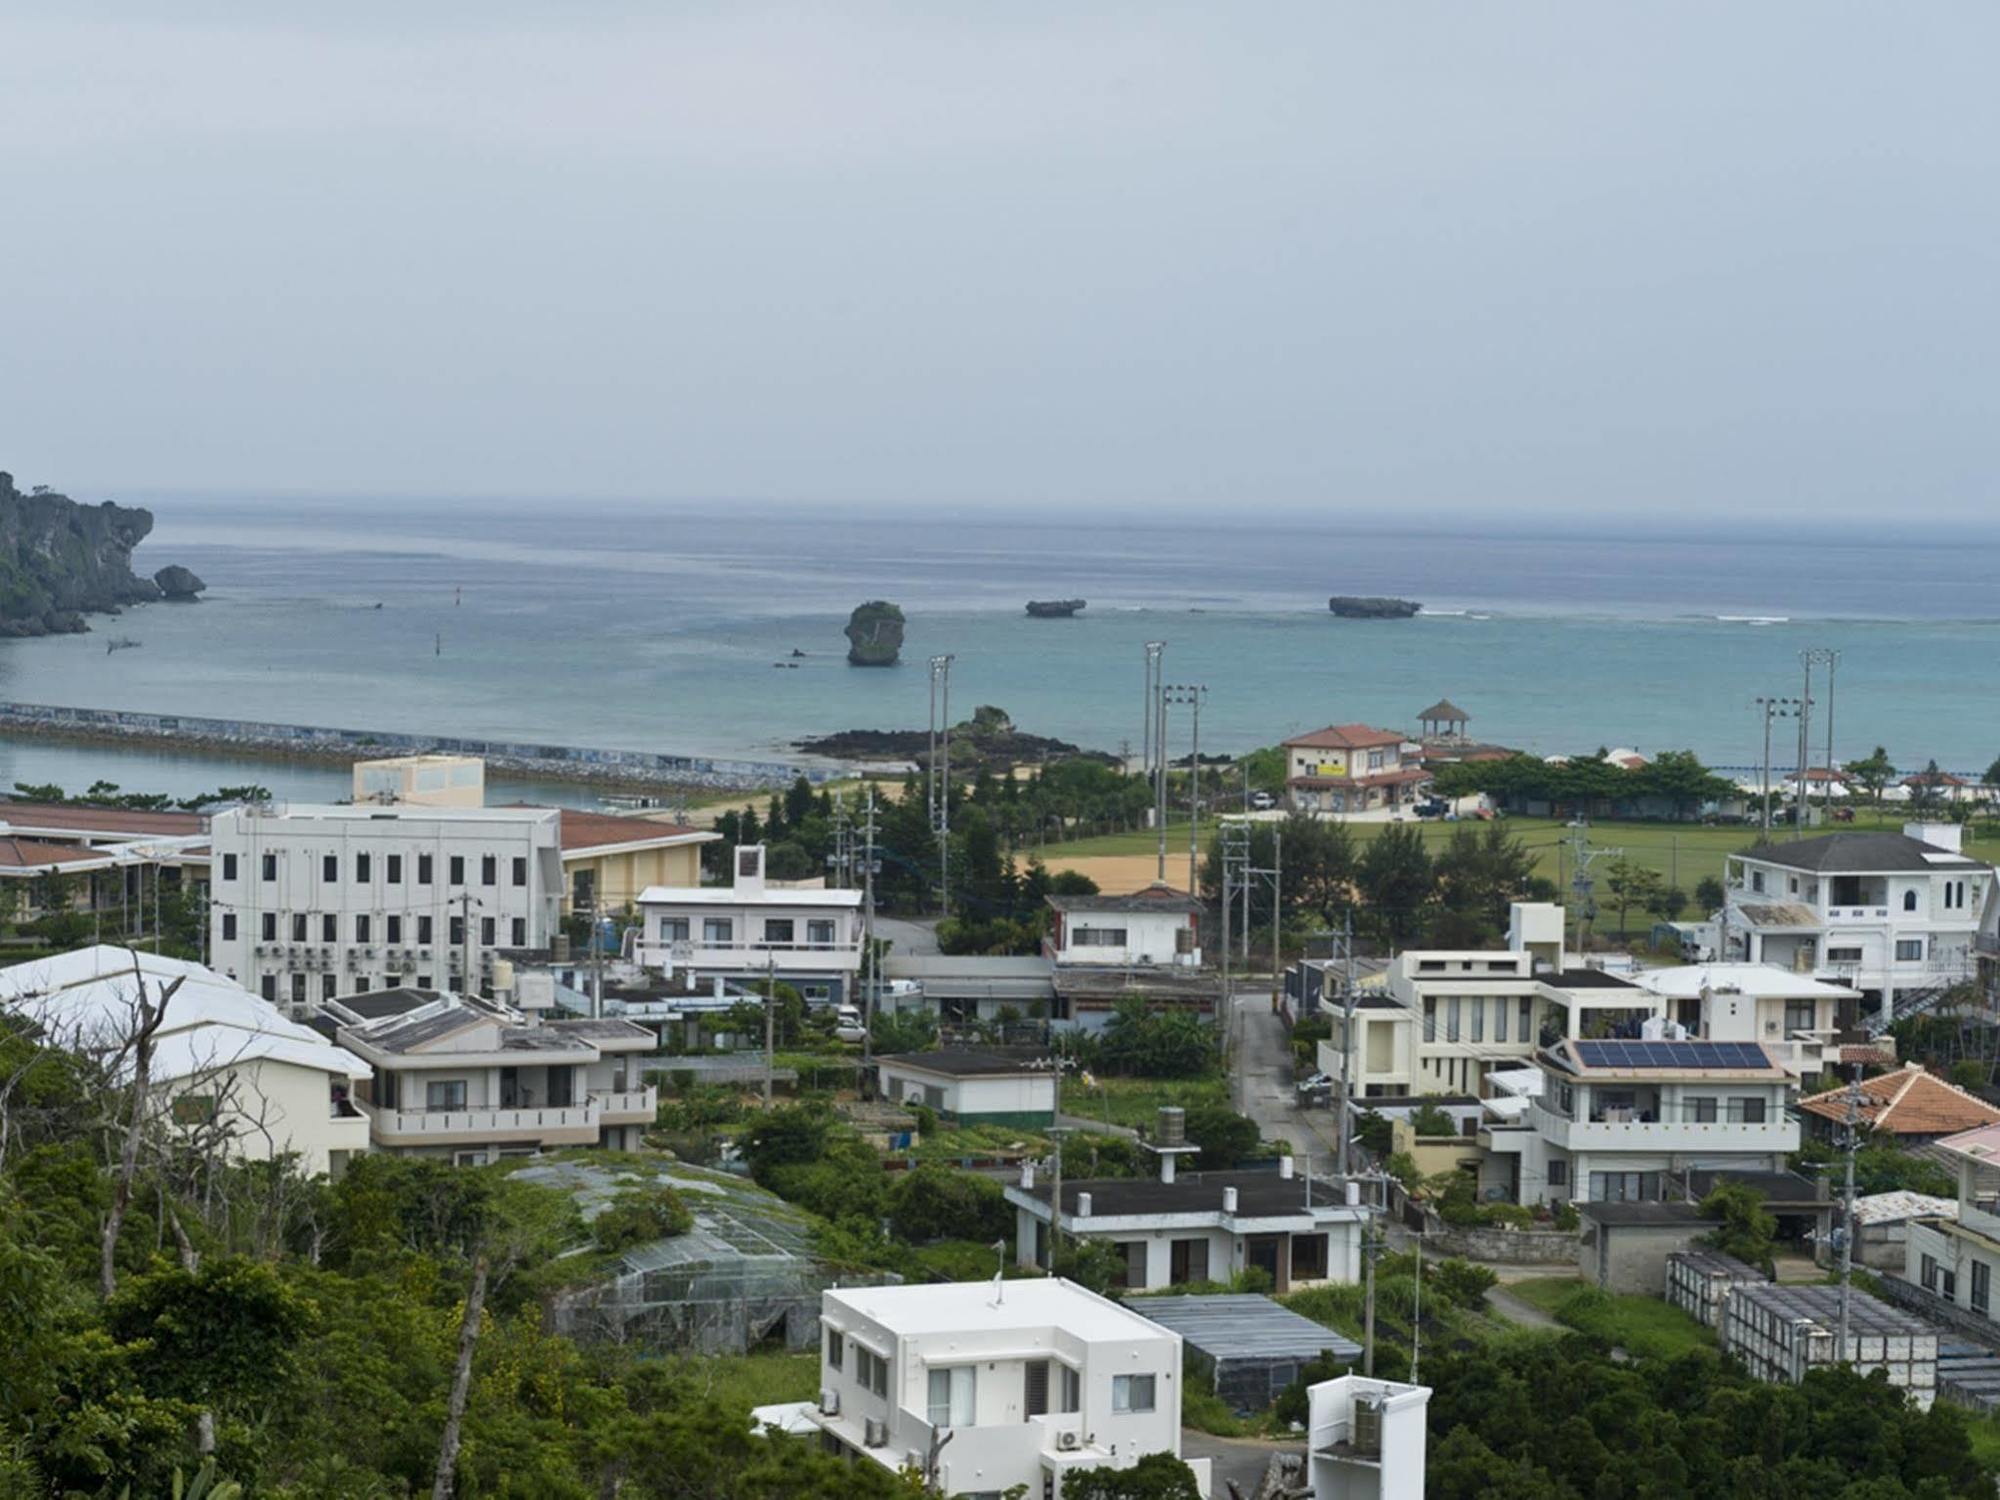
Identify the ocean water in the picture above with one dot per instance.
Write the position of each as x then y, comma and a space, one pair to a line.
672, 629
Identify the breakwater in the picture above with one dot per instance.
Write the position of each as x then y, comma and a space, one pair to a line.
250, 738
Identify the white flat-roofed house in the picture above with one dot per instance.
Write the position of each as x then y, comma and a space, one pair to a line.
1614, 1117
229, 1071
1955, 1257
310, 903
1178, 1230
1157, 927
1352, 768
807, 937
472, 1080
987, 1386
1886, 914
1795, 1016
973, 1085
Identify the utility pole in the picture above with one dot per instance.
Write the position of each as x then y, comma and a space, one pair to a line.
1160, 783
1277, 905
1417, 1312
1190, 695
1582, 882
1153, 650
1847, 1213
770, 1023
1816, 656
1832, 660
1349, 998
940, 740
1370, 1249
1772, 708
871, 965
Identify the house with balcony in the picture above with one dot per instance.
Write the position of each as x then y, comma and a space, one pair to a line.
1192, 1227
804, 936
987, 1387
1795, 1016
1105, 947
1351, 768
1616, 1118
229, 1073
471, 1080
1953, 1260
1894, 916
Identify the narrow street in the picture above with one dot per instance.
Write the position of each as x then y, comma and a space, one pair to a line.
1261, 1082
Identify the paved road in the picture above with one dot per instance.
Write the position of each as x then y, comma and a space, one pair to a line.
1516, 1310
1261, 1082
910, 938
1241, 1459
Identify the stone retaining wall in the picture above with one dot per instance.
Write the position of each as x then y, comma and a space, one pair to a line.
1507, 1247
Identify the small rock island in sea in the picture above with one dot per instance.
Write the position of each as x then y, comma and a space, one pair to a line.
1370, 607
179, 584
60, 561
874, 634
1054, 609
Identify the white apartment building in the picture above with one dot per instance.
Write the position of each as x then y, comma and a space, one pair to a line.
1955, 1258
988, 1385
1158, 927
473, 1081
1202, 1226
1366, 1439
1795, 1017
1444, 1019
313, 902
229, 1072
807, 937
1614, 1117
1881, 913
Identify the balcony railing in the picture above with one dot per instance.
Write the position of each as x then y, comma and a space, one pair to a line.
645, 1101
482, 1119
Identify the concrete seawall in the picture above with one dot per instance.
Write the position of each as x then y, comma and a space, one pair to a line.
251, 739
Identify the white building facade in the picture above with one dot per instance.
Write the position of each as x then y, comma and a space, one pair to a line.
1154, 928
310, 903
807, 937
1880, 913
987, 1386
1366, 1439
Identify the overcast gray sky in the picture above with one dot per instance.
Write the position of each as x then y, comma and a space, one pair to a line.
1721, 258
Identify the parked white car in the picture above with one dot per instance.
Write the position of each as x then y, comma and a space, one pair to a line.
848, 1025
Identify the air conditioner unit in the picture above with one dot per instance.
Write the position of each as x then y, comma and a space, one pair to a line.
875, 1433
829, 1402
1068, 1442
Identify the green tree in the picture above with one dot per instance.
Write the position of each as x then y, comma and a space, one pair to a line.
1709, 894
1157, 1476
938, 1203
1668, 903
1874, 772
639, 1216
1225, 1137
1397, 880
1630, 884
1748, 1230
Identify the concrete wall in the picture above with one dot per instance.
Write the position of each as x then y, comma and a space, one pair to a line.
1511, 1247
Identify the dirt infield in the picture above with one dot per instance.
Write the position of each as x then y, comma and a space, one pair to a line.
1118, 874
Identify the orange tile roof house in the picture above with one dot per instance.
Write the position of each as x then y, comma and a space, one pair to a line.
1911, 1104
1351, 768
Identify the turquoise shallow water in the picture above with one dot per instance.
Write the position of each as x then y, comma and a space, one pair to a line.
660, 630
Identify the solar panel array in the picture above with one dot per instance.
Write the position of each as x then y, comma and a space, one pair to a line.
1614, 1054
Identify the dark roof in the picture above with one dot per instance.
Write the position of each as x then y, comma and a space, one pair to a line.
99, 822
1777, 1187
1693, 1055
605, 1029
375, 1004
1156, 897
1445, 711
1258, 1194
411, 1035
1586, 979
584, 831
1858, 853
1657, 1215
1244, 1326
973, 1062
1409, 1101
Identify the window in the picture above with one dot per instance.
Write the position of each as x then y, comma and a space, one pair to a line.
445, 1094
424, 929
1757, 880
395, 869
1909, 900
1097, 937
328, 984
329, 868
1909, 950
425, 865
1798, 1016
777, 929
1843, 955
717, 930
1527, 1032
836, 1348
229, 927
1746, 1111
362, 928
520, 933
1982, 1286
329, 928
423, 981
489, 869
952, 1395
298, 989
520, 870
1135, 1250
1500, 1020
228, 867
819, 933
1701, 1111
363, 867
1131, 1393
269, 866
673, 929
487, 931
455, 928
458, 869
270, 927
1624, 1187
871, 1370
268, 987
1187, 1260
1558, 1173
1070, 1384
1035, 1388
1478, 1007
298, 927
395, 933
1451, 1011
1376, 760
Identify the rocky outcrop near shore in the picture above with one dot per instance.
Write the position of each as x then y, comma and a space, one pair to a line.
1054, 609
874, 634
1372, 607
178, 583
60, 560
988, 740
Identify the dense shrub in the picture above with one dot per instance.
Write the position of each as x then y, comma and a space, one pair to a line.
639, 1216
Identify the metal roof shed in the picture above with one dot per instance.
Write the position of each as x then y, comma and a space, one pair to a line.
1247, 1346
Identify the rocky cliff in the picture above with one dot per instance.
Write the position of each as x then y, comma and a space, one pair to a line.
874, 634
60, 560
